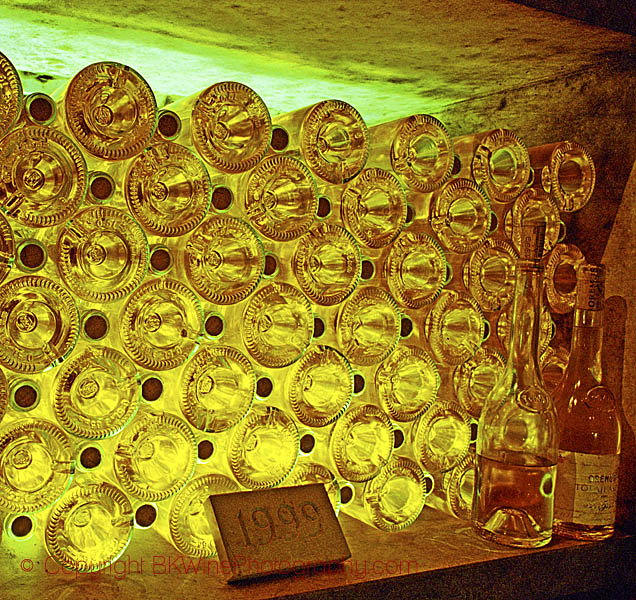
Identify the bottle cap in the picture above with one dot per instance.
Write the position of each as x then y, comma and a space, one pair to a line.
532, 239
590, 287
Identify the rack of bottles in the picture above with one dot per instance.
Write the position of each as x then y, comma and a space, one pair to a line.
203, 298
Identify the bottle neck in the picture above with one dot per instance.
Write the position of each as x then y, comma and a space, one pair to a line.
526, 325
587, 339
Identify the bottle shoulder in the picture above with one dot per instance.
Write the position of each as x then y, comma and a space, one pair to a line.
584, 394
589, 420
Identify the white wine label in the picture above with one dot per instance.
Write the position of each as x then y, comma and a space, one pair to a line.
590, 287
586, 488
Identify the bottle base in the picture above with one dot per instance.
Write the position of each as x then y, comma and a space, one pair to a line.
577, 531
510, 540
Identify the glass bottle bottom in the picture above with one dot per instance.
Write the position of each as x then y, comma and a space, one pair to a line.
508, 540
514, 500
577, 531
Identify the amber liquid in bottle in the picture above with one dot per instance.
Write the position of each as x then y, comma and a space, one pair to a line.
587, 481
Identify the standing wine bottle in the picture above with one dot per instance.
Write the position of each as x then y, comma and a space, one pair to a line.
590, 434
517, 444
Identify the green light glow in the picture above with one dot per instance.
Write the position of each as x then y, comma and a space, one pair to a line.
60, 46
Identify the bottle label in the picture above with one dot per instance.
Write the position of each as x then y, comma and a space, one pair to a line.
590, 290
586, 488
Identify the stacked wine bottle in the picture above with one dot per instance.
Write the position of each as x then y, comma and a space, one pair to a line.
203, 299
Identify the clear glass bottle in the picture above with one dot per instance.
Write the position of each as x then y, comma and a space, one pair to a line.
590, 432
417, 148
229, 125
307, 472
489, 274
224, 259
327, 264
547, 329
167, 189
264, 447
41, 324
416, 269
319, 386
407, 383
453, 492
553, 364
460, 215
368, 326
161, 324
373, 207
393, 499
43, 176
102, 254
36, 465
110, 110
281, 198
441, 437
361, 442
217, 388
11, 96
474, 379
277, 324
331, 136
90, 527
96, 393
498, 160
533, 204
517, 443
566, 171
188, 522
155, 456
455, 327
560, 274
